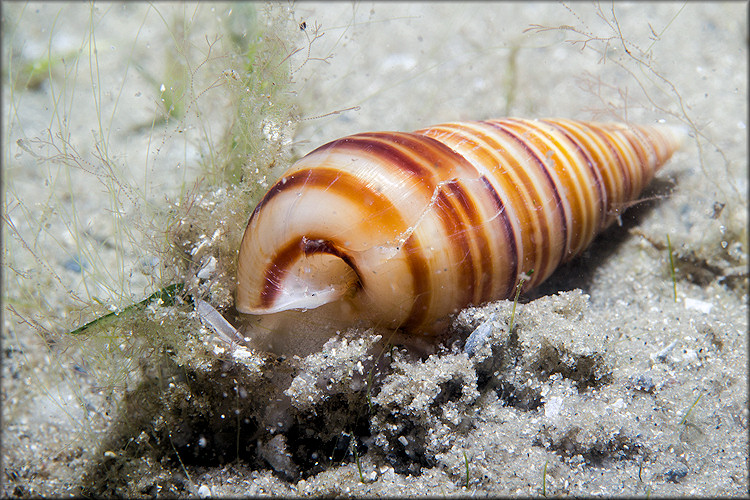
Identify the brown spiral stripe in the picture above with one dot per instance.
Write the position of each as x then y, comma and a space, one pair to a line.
411, 227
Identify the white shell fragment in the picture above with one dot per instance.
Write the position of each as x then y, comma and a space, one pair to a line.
699, 305
478, 337
216, 321
208, 269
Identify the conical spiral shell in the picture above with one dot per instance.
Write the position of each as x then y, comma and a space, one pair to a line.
408, 228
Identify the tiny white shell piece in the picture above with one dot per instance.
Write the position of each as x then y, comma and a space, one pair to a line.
700, 305
216, 321
478, 337
208, 269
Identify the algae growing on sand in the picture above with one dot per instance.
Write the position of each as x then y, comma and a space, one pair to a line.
608, 382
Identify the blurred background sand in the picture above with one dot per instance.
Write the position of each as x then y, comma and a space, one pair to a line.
402, 66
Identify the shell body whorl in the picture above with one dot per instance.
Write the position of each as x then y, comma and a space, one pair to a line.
407, 228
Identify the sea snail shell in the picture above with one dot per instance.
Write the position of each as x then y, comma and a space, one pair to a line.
407, 228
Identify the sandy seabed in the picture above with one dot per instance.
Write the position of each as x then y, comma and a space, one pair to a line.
609, 384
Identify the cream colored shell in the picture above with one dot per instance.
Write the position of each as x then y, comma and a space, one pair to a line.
408, 228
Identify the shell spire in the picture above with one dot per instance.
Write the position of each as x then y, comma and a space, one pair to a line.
408, 228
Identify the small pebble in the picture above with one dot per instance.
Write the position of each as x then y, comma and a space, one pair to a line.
478, 337
76, 264
643, 383
675, 473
